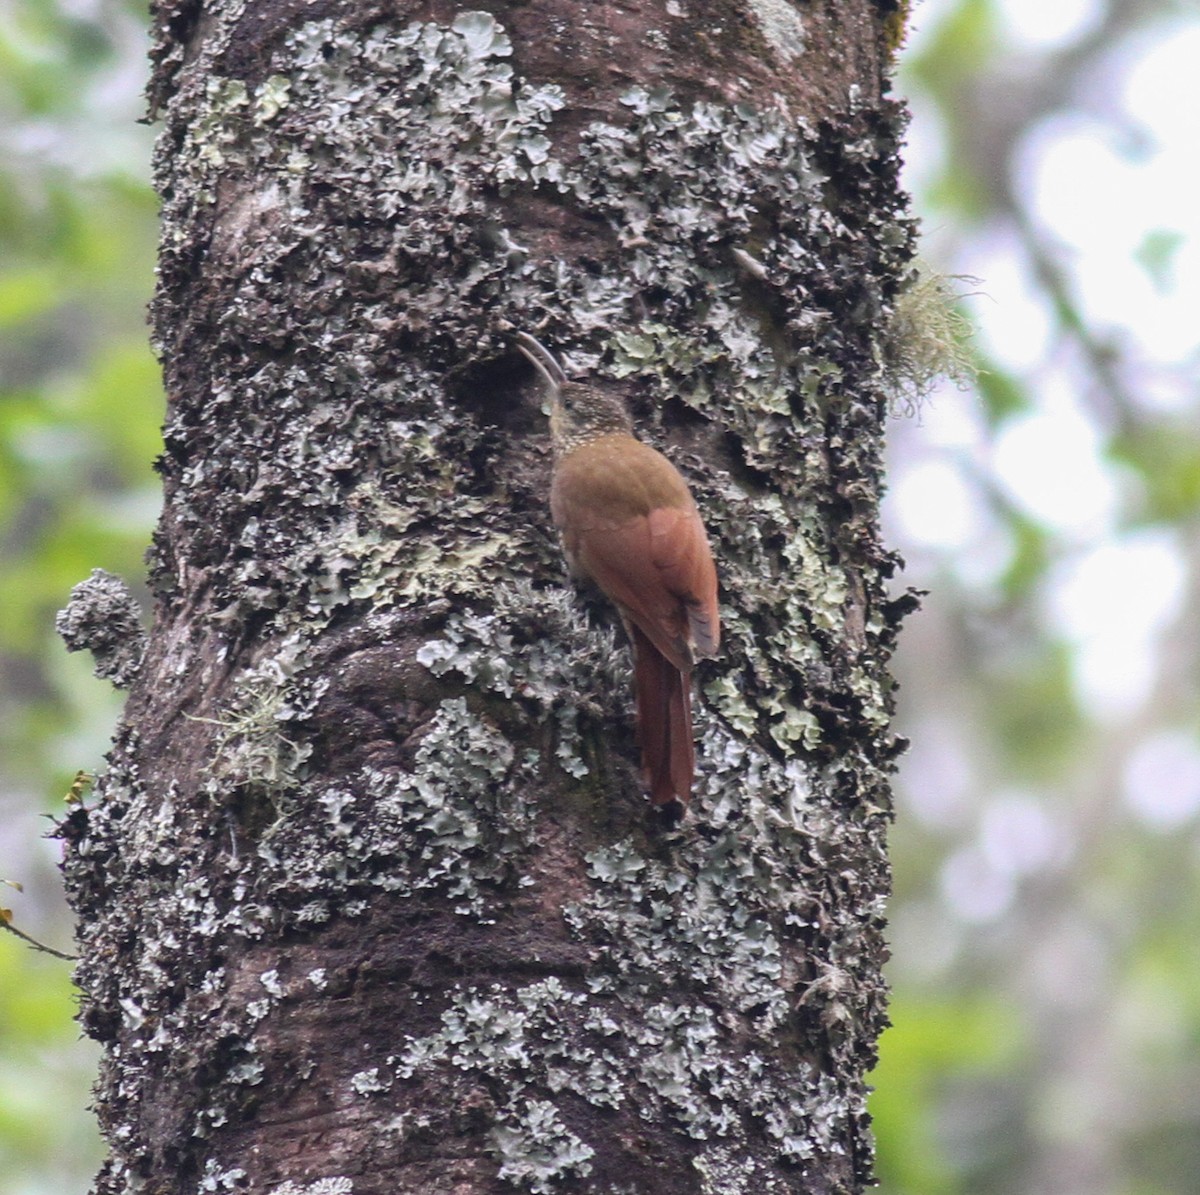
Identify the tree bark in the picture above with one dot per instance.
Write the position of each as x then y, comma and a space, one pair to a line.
370, 898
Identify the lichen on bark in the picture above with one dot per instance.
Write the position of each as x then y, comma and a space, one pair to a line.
402, 919
103, 618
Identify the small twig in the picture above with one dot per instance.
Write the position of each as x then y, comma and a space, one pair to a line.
12, 929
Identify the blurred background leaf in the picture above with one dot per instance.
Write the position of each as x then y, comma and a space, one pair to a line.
1046, 1033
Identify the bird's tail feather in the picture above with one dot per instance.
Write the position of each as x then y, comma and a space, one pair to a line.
664, 721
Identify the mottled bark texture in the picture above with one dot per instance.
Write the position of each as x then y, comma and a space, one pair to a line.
369, 897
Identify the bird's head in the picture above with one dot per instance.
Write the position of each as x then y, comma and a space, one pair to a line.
578, 412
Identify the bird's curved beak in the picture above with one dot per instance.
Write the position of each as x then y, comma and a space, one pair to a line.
543, 360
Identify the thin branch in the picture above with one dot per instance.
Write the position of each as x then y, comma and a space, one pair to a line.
12, 929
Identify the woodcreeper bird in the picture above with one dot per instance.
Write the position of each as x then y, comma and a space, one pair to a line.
628, 522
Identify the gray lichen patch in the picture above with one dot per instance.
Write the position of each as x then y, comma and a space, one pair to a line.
781, 27
425, 122
338, 1185
537, 1152
534, 649
103, 617
434, 829
678, 1067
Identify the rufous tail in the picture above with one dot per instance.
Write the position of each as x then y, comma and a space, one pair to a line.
664, 722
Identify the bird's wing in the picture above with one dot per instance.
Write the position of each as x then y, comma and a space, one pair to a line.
630, 524
658, 569
681, 554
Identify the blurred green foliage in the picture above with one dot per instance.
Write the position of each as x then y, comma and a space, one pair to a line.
1046, 1011
44, 1077
80, 408
936, 1042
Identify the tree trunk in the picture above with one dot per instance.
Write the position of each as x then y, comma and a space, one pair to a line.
370, 898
